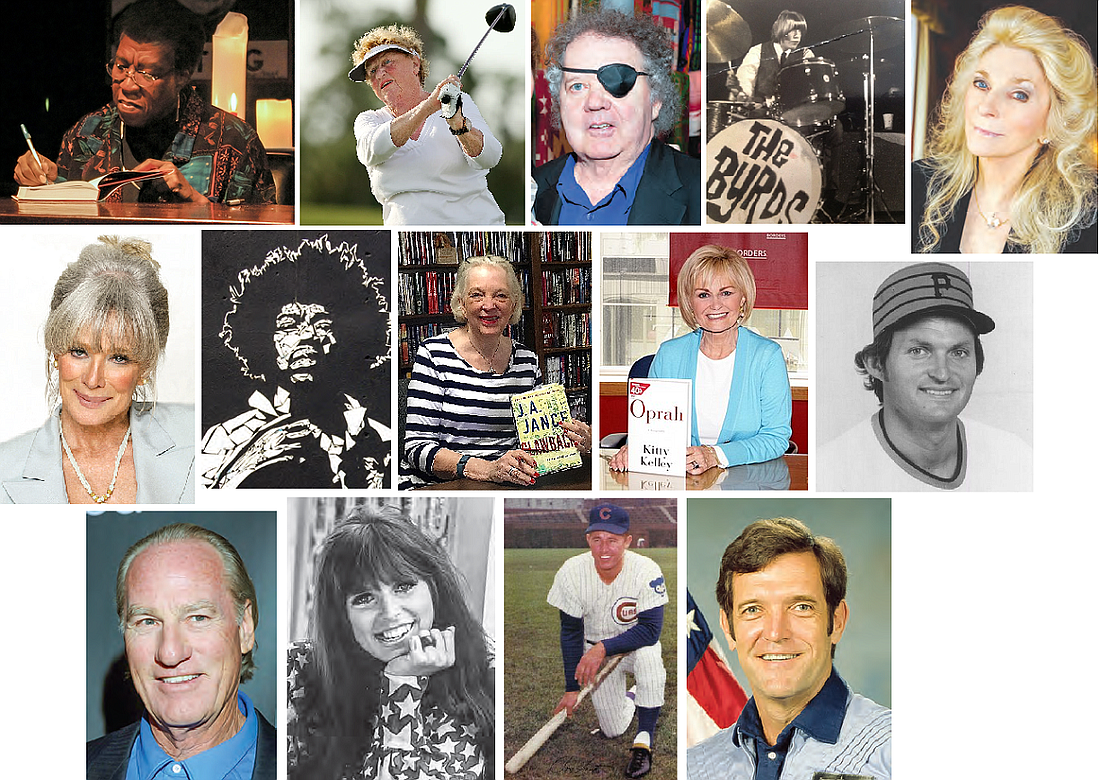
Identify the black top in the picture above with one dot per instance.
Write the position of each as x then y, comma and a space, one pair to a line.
1083, 239
668, 193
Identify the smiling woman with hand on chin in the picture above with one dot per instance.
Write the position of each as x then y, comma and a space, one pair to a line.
1011, 163
106, 439
396, 680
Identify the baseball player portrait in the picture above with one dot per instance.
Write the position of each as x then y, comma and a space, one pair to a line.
606, 614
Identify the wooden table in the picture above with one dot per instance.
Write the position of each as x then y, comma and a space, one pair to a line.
789, 472
572, 479
98, 212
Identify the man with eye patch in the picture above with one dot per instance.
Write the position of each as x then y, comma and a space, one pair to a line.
188, 613
922, 365
781, 591
613, 96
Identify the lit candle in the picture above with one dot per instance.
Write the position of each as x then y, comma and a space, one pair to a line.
230, 50
275, 123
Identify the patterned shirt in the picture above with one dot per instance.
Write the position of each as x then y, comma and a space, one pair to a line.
220, 156
407, 742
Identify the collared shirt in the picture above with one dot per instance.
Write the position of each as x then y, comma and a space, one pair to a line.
233, 759
577, 209
821, 719
218, 154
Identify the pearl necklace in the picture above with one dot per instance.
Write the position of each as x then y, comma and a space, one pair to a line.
80, 474
488, 360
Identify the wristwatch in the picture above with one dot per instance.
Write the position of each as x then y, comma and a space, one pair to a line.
462, 130
460, 469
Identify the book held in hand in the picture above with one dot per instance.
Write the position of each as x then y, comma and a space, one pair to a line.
96, 189
658, 425
537, 414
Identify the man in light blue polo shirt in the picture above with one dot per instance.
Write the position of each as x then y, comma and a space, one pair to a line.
781, 592
187, 610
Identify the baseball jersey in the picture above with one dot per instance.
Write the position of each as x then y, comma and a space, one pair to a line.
607, 609
857, 460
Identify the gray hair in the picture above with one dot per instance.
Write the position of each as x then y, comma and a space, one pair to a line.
462, 284
113, 297
237, 580
654, 42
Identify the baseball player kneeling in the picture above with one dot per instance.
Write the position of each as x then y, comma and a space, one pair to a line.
612, 602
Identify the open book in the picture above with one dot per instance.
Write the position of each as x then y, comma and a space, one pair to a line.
96, 189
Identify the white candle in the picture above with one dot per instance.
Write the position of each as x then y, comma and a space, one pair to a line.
275, 123
229, 69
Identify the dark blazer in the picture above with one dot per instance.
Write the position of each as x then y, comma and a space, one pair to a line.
109, 756
669, 191
1082, 240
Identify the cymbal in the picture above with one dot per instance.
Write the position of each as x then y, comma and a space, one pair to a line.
728, 35
889, 31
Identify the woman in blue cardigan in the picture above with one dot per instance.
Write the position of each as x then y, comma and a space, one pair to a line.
741, 404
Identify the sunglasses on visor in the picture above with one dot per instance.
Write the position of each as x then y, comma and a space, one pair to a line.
618, 79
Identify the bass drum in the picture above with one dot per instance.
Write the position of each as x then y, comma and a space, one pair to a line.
761, 171
808, 93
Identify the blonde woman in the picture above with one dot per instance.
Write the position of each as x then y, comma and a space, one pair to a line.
1012, 157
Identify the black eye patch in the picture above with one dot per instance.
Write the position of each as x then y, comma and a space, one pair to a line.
617, 78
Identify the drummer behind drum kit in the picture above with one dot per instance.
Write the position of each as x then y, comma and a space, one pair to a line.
764, 160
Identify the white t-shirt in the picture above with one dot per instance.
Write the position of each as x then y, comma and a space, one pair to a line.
713, 378
858, 461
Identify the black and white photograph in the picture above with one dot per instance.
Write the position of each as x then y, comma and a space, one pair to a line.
101, 391
925, 376
296, 360
390, 669
805, 112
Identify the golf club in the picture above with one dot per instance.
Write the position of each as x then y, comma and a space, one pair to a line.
501, 18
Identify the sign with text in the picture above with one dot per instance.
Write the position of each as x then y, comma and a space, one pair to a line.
762, 172
658, 425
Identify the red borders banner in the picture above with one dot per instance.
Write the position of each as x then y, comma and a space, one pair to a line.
779, 261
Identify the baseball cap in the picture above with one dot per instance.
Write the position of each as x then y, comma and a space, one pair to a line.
359, 72
608, 517
926, 289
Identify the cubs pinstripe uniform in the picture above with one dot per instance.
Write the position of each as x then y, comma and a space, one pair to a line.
609, 610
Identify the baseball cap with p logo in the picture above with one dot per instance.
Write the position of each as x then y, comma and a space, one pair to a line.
926, 289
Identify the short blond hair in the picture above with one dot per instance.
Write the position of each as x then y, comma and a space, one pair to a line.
398, 35
713, 262
462, 285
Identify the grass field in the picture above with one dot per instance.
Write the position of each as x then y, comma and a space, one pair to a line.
534, 681
332, 214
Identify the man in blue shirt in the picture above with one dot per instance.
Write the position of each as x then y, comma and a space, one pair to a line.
612, 92
781, 592
187, 609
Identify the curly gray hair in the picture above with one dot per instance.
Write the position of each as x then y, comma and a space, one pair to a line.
654, 43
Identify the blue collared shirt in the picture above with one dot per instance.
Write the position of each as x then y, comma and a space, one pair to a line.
821, 719
233, 759
614, 209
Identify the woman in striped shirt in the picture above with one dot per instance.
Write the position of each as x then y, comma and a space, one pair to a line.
458, 421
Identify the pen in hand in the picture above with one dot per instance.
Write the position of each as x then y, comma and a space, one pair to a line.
37, 159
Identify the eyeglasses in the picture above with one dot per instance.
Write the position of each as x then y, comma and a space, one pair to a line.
118, 74
617, 78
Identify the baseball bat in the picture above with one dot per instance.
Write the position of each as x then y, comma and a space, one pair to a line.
523, 755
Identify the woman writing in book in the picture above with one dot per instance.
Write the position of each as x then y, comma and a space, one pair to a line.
427, 160
1011, 163
741, 407
458, 421
106, 440
396, 679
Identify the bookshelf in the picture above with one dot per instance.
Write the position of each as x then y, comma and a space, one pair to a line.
555, 271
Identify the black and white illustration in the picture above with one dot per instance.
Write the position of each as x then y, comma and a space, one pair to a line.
296, 360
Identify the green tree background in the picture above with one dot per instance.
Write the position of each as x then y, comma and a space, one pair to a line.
334, 187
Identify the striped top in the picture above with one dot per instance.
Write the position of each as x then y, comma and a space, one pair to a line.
452, 405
